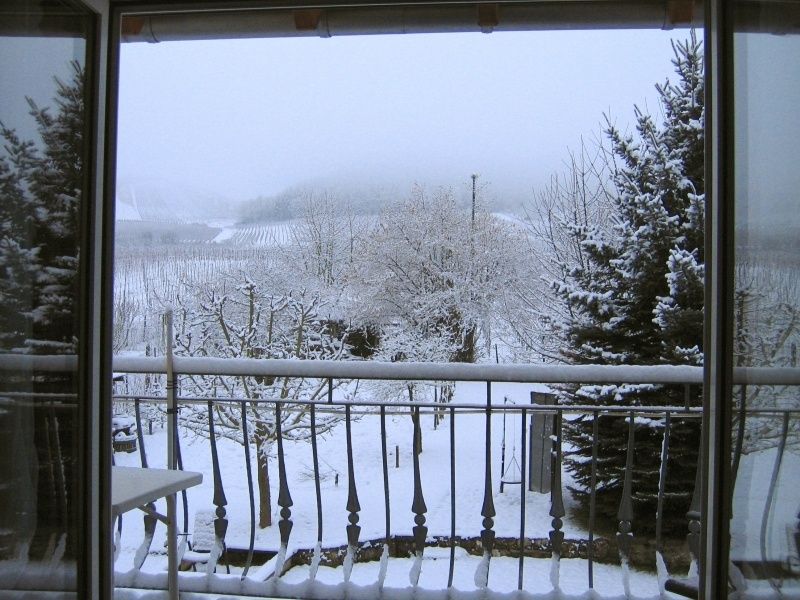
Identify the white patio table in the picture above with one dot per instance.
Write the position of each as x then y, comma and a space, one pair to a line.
132, 487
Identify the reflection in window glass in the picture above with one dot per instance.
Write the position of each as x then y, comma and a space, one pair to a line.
42, 192
764, 544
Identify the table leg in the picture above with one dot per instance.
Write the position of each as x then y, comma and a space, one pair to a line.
172, 549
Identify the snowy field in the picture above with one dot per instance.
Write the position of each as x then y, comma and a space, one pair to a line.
539, 576
257, 236
278, 233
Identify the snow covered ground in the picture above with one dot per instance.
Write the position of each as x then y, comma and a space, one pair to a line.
369, 478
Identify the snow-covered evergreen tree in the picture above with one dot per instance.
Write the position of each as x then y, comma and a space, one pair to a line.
41, 183
41, 187
638, 296
17, 257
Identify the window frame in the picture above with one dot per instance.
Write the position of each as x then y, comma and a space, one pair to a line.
95, 569
717, 24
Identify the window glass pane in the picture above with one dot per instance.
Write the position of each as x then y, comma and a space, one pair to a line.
42, 194
764, 544
443, 197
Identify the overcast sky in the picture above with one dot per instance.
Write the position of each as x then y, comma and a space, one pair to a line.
767, 129
44, 58
242, 118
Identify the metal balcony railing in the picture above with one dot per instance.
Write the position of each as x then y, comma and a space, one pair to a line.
482, 537
260, 569
413, 536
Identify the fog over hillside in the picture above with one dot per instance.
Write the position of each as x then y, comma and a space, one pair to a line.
169, 202
370, 197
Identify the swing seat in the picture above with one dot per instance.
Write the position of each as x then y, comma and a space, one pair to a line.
513, 474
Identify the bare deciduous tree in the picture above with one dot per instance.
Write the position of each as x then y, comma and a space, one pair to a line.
247, 322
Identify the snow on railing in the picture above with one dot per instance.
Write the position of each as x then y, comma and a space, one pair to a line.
540, 373
412, 371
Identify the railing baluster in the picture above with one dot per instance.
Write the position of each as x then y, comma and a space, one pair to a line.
556, 505
353, 506
385, 460
118, 532
451, 569
487, 510
593, 496
773, 484
312, 574
661, 567
117, 539
179, 463
149, 531
742, 419
693, 515
284, 497
149, 520
662, 481
503, 448
418, 508
220, 523
250, 490
139, 435
179, 458
625, 513
522, 487
795, 558
49, 474
57, 466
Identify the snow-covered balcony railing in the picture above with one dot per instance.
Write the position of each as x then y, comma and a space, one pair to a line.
274, 576
290, 564
444, 509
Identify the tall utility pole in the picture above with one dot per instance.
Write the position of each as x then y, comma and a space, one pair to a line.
474, 178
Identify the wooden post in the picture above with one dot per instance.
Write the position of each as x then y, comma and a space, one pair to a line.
541, 428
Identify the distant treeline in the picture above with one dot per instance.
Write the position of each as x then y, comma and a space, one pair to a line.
274, 208
154, 232
290, 204
780, 243
357, 199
